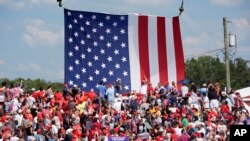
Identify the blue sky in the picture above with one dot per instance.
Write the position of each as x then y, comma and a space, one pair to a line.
32, 31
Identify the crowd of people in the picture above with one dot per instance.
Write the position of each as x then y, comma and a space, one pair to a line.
165, 112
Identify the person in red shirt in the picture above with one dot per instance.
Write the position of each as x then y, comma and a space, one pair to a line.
58, 97
160, 137
41, 95
224, 108
211, 115
174, 136
28, 115
91, 94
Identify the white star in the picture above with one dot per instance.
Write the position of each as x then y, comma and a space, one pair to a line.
70, 54
77, 76
88, 36
90, 78
101, 37
123, 45
82, 42
102, 51
116, 52
70, 40
126, 87
97, 72
83, 70
70, 26
117, 66
76, 48
122, 31
100, 24
111, 73
81, 28
107, 17
69, 13
95, 43
71, 68
84, 85
87, 23
124, 59
115, 24
75, 21
109, 58
80, 16
108, 44
71, 82
94, 30
94, 17
108, 30
76, 34
90, 64
96, 58
77, 62
103, 65
125, 73
104, 79
115, 38
122, 18
89, 50
83, 56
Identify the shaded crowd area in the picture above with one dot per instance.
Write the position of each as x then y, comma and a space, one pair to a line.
191, 112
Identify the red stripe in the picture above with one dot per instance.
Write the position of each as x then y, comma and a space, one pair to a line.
179, 56
162, 51
143, 47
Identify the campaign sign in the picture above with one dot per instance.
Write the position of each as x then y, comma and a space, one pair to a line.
239, 132
118, 138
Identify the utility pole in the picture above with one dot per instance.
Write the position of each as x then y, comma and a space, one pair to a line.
226, 45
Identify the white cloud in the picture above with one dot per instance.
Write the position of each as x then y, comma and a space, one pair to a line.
193, 25
240, 27
2, 62
38, 33
54, 75
13, 4
197, 45
50, 2
148, 2
29, 67
19, 5
226, 2
241, 23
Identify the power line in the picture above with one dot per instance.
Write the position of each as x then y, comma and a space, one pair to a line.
204, 53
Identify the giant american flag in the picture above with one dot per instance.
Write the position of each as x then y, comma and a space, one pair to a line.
129, 47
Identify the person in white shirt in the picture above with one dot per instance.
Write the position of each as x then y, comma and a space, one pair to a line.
31, 100
18, 118
54, 129
144, 86
117, 105
206, 104
14, 105
184, 90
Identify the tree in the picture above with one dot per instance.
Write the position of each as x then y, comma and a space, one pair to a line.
207, 68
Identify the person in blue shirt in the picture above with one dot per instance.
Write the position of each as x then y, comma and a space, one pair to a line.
101, 91
110, 92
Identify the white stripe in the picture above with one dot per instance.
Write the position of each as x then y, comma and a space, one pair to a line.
134, 52
170, 52
153, 50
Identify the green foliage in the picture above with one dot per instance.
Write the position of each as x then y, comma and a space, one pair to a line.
200, 70
207, 68
28, 84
